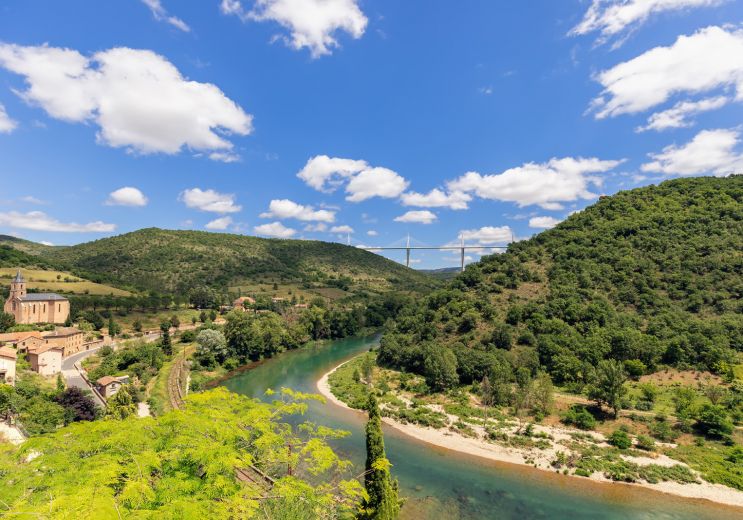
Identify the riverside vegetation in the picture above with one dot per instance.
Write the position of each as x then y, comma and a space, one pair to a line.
645, 282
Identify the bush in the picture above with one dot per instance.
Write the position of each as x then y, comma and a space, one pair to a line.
713, 421
620, 439
645, 443
579, 417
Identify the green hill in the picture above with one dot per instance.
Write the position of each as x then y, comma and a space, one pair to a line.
176, 261
652, 276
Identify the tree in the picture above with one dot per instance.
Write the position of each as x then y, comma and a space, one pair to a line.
211, 344
203, 317
6, 321
113, 327
367, 366
381, 502
137, 326
41, 416
165, 342
78, 405
174, 321
543, 393
440, 369
60, 383
608, 386
123, 403
713, 421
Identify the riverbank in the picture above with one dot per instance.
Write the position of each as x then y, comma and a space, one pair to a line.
541, 458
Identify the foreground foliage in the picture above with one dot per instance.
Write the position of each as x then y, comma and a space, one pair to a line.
183, 465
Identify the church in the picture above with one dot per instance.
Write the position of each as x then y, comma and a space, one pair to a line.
35, 307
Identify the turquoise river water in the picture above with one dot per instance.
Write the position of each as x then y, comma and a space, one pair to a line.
442, 484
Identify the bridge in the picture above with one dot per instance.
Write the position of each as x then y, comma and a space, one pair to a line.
462, 247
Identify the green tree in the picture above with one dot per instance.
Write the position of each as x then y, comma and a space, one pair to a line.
440, 369
381, 502
543, 394
165, 342
713, 421
608, 385
113, 327
6, 321
211, 345
122, 404
137, 326
175, 321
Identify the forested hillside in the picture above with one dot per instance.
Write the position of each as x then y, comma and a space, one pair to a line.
647, 277
176, 261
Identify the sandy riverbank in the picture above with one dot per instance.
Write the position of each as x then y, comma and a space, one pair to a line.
539, 459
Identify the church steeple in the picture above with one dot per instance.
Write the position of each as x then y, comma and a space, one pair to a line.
18, 285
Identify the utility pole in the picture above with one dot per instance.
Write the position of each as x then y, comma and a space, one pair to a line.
462, 250
407, 252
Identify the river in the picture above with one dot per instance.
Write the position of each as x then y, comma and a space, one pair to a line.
441, 484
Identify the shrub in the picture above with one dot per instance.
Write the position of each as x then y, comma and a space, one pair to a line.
579, 417
620, 439
645, 443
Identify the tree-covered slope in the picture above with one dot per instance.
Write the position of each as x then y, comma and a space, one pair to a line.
176, 261
652, 275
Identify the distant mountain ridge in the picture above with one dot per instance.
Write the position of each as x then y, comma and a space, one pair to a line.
172, 261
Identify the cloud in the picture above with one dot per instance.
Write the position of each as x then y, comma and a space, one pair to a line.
487, 235
285, 208
341, 229
711, 58
38, 221
420, 217
710, 151
375, 182
315, 228
126, 196
614, 16
326, 174
161, 15
7, 125
372, 233
225, 157
436, 198
139, 100
46, 243
547, 184
543, 222
275, 229
219, 224
32, 200
677, 116
311, 23
209, 200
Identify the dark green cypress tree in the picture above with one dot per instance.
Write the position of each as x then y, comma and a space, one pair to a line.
165, 342
382, 503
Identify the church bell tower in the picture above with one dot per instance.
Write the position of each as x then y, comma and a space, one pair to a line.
18, 286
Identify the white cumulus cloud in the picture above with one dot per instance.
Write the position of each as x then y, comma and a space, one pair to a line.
543, 222
138, 99
487, 235
39, 221
710, 151
315, 228
7, 125
710, 59
611, 17
436, 198
341, 229
362, 181
678, 115
285, 208
219, 224
372, 233
275, 229
312, 24
547, 185
161, 15
375, 182
419, 217
209, 200
126, 196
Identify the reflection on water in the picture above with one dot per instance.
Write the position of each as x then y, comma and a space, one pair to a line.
440, 484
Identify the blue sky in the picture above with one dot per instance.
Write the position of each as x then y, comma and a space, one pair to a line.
348, 113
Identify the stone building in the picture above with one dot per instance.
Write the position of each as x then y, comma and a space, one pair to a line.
46, 360
70, 339
7, 366
35, 307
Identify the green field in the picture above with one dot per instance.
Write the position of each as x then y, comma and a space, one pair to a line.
59, 281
